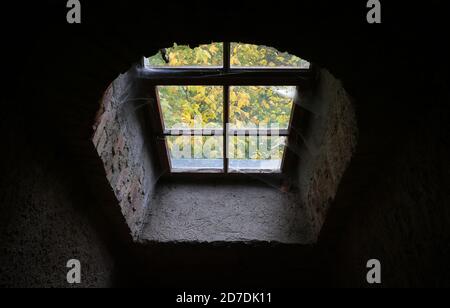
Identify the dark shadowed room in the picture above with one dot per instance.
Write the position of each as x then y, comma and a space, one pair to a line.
225, 145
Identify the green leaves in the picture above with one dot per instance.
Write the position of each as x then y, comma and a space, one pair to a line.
252, 107
182, 55
247, 55
265, 107
242, 55
191, 106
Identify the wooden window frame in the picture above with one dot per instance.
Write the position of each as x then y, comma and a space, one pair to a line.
225, 77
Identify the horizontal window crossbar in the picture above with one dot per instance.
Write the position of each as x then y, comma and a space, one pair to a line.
275, 77
231, 132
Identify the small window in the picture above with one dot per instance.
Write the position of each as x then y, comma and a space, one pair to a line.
227, 108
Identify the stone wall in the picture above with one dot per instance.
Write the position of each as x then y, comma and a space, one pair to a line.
329, 143
45, 214
124, 143
393, 201
121, 141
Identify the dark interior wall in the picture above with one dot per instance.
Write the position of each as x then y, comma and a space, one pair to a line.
393, 201
45, 214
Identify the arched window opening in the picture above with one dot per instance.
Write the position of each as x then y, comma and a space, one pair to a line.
226, 107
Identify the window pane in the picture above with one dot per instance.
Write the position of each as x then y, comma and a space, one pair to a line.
183, 56
191, 106
256, 153
261, 107
195, 154
247, 55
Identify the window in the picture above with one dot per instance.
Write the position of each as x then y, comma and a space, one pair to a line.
225, 107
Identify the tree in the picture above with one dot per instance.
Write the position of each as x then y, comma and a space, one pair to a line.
250, 106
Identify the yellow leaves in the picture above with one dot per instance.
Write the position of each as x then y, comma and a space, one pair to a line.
213, 107
199, 98
233, 96
212, 98
201, 93
249, 55
283, 120
213, 49
202, 106
265, 122
199, 90
186, 117
202, 56
172, 90
183, 55
173, 59
242, 55
245, 115
243, 100
235, 61
191, 106
196, 108
242, 103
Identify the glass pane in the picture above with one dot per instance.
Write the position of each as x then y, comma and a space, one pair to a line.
261, 107
195, 154
247, 55
184, 56
256, 153
191, 106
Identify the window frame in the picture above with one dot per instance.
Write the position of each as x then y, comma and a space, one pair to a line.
225, 77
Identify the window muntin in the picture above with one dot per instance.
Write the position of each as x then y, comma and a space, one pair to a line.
245, 114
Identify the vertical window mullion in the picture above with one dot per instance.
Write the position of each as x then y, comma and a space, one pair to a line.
226, 105
226, 115
226, 56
